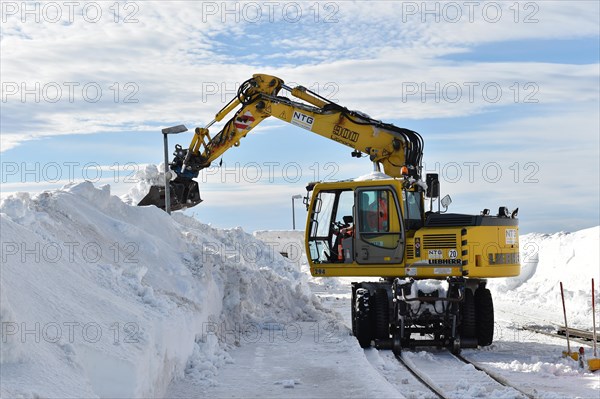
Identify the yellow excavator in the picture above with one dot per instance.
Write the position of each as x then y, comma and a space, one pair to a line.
433, 265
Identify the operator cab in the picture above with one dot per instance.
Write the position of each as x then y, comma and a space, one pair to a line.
364, 223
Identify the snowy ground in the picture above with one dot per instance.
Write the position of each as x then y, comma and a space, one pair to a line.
102, 299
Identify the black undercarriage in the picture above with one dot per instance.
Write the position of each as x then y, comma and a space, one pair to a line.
406, 313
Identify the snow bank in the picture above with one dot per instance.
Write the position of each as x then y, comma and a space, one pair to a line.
546, 260
288, 242
291, 242
103, 299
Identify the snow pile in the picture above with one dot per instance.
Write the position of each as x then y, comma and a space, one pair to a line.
288, 242
546, 260
114, 300
560, 368
291, 243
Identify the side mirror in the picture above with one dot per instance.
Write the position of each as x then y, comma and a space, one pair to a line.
446, 201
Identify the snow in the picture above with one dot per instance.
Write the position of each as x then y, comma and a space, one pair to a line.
546, 260
305, 359
419, 287
464, 382
112, 300
376, 175
373, 176
289, 242
99, 298
292, 243
150, 175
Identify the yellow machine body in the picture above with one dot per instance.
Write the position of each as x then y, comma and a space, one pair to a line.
377, 227
438, 246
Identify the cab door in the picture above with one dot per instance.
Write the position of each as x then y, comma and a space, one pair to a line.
379, 235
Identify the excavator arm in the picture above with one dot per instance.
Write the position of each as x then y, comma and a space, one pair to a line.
397, 150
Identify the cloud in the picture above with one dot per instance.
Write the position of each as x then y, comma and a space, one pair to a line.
162, 63
116, 76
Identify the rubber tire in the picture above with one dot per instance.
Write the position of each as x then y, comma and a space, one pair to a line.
353, 311
382, 314
397, 345
484, 313
362, 318
468, 323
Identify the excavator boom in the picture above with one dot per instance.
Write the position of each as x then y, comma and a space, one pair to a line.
399, 151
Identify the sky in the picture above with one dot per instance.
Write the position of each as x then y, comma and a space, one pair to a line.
505, 94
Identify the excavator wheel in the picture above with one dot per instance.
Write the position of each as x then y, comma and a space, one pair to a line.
397, 344
362, 318
353, 309
484, 314
468, 325
382, 314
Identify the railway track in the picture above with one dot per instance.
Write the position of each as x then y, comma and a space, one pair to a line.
449, 376
579, 336
423, 379
574, 332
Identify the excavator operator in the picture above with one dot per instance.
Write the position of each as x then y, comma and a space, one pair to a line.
376, 214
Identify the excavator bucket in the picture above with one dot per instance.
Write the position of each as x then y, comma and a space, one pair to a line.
184, 193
